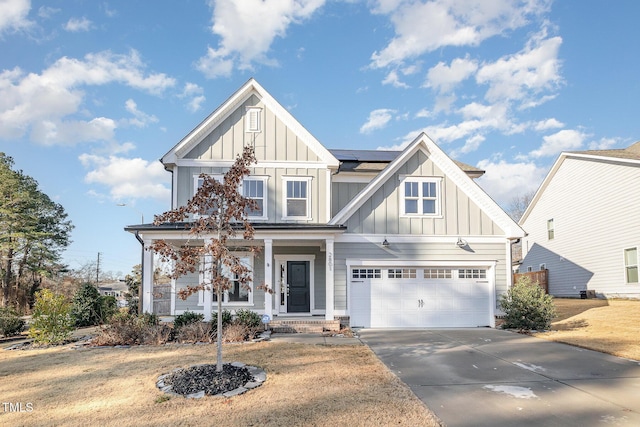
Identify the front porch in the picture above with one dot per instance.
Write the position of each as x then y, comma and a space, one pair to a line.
313, 324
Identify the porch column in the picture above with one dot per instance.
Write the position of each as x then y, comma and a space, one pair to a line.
329, 280
268, 276
208, 286
147, 277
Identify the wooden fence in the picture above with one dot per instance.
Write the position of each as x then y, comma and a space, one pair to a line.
542, 277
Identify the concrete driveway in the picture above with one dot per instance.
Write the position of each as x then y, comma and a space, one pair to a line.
489, 377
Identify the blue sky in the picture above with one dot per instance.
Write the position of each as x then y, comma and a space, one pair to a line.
93, 93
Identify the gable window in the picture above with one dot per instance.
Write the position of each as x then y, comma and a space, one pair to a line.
253, 122
631, 265
297, 199
255, 189
550, 229
420, 196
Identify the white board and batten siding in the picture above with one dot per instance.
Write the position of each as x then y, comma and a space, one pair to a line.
595, 206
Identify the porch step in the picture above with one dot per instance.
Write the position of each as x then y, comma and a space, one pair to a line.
303, 325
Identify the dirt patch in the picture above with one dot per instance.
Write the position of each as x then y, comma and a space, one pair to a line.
306, 385
609, 326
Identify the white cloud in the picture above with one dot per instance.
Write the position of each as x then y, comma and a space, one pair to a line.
422, 27
247, 28
13, 15
524, 75
127, 178
444, 77
503, 180
140, 119
564, 140
471, 144
603, 143
46, 12
44, 104
194, 94
77, 25
548, 124
378, 119
393, 79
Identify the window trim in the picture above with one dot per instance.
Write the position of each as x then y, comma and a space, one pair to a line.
285, 181
551, 229
265, 193
225, 298
265, 186
251, 114
627, 267
404, 179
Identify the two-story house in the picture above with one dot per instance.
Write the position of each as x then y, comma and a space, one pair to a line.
387, 239
584, 226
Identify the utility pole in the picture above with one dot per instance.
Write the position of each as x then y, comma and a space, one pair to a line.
98, 271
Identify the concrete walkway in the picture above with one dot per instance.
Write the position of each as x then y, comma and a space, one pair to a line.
489, 377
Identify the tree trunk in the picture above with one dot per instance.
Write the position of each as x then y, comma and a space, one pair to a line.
220, 295
6, 280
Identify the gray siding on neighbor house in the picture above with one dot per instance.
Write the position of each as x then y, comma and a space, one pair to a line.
483, 254
381, 214
595, 205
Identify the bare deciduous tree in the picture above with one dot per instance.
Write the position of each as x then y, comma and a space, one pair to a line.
216, 213
518, 205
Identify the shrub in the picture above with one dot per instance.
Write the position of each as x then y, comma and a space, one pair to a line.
51, 321
249, 318
195, 332
235, 333
90, 308
227, 319
127, 329
187, 318
10, 322
527, 307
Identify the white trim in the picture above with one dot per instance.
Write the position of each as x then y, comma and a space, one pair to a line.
285, 180
625, 266
281, 259
410, 238
327, 204
265, 195
451, 170
251, 125
420, 197
217, 163
329, 280
207, 294
251, 87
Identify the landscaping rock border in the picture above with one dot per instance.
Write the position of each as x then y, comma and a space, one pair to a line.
258, 376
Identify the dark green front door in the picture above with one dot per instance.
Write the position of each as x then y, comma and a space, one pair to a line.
299, 289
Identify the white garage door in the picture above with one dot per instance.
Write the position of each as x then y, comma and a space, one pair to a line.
419, 297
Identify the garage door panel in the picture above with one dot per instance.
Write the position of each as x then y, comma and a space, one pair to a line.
417, 300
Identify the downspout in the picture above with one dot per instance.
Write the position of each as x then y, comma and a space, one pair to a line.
141, 273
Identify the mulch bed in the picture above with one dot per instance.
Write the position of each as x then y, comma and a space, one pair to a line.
206, 378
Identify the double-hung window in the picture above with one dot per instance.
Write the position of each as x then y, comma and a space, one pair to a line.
420, 196
551, 229
255, 188
297, 198
238, 293
631, 265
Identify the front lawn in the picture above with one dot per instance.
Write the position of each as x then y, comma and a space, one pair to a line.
609, 326
306, 385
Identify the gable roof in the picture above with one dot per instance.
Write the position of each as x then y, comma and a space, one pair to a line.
251, 87
451, 170
624, 156
377, 160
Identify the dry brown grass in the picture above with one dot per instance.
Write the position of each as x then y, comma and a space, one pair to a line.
609, 326
306, 385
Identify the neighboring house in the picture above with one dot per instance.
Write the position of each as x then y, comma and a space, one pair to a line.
583, 224
388, 239
116, 290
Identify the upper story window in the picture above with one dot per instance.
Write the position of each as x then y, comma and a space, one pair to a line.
297, 198
631, 265
253, 187
420, 196
253, 119
551, 232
